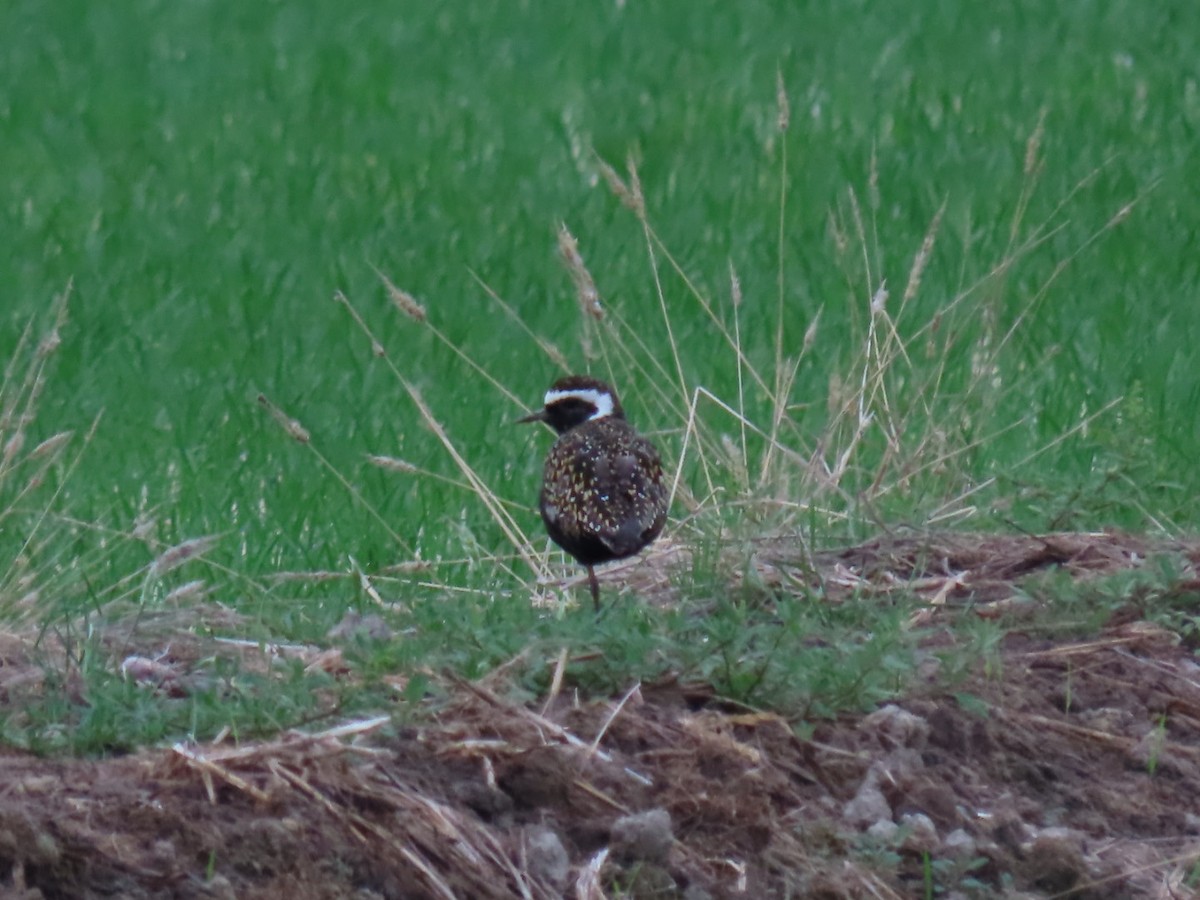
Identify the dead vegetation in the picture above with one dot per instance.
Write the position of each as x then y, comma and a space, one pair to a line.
1070, 768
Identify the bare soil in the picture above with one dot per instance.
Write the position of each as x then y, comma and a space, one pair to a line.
1066, 767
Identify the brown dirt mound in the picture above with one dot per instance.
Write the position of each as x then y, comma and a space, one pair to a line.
1072, 769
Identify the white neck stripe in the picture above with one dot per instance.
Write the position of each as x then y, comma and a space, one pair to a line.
601, 400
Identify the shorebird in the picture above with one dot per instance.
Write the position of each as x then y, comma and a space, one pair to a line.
603, 495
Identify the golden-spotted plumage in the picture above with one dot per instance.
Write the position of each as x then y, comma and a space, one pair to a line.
603, 494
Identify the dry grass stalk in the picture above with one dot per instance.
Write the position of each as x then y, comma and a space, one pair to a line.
780, 241
207, 768
400, 466
810, 334
299, 433
190, 592
556, 682
174, 557
633, 354
291, 427
922, 258
492, 502
547, 347
695, 438
315, 577
630, 194
393, 464
408, 306
1118, 217
588, 883
662, 300
735, 299
634, 693
544, 726
693, 289
20, 393
786, 377
635, 186
861, 232
366, 585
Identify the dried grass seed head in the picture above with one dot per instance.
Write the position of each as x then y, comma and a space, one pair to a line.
635, 186
191, 591
405, 302
810, 333
294, 429
174, 557
12, 447
1034, 144
585, 285
922, 257
392, 464
614, 182
783, 108
51, 445
51, 342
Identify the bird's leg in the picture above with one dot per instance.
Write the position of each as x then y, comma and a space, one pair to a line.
595, 586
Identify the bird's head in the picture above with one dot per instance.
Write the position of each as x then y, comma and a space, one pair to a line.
576, 399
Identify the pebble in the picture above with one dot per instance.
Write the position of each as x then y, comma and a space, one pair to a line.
644, 836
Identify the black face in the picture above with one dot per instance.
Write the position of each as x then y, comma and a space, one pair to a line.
565, 414
577, 399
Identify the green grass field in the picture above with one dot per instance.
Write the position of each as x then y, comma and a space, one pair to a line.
203, 178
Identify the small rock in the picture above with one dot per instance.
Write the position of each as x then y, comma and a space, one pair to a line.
901, 766
1054, 862
546, 856
1011, 833
1112, 719
645, 836
869, 805
219, 888
1151, 752
538, 777
883, 831
894, 727
932, 797
922, 835
959, 845
489, 802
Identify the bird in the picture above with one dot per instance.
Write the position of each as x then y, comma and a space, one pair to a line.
603, 493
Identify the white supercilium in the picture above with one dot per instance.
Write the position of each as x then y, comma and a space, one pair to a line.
601, 400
